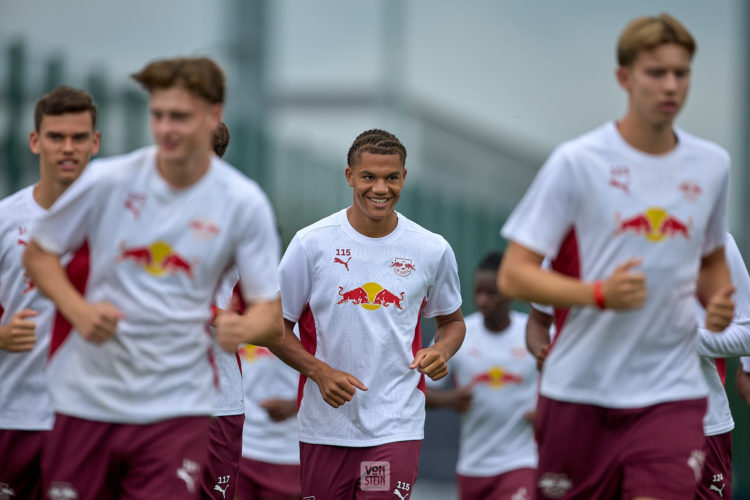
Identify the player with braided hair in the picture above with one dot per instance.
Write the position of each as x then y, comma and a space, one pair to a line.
358, 283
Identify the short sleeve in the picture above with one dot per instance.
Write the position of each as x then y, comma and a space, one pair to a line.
67, 223
257, 255
295, 280
716, 228
545, 214
444, 296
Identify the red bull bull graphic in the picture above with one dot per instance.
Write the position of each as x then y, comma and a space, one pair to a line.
371, 296
403, 267
655, 224
252, 353
497, 377
158, 259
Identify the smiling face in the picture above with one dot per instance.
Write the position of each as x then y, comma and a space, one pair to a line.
376, 181
182, 124
657, 83
64, 144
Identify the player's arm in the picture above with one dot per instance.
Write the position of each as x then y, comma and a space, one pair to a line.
537, 335
94, 322
449, 334
458, 399
742, 379
521, 276
336, 387
715, 289
260, 324
279, 409
19, 334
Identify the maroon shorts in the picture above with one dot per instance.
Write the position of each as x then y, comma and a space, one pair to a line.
223, 461
512, 485
21, 461
264, 480
717, 473
588, 451
90, 460
332, 472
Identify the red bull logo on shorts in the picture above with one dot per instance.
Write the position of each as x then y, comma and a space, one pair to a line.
158, 259
497, 377
371, 296
655, 224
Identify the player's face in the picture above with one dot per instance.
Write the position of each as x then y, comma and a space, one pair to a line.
376, 181
182, 124
488, 299
657, 83
64, 144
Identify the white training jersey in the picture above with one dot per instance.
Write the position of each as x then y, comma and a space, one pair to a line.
598, 202
24, 397
157, 254
745, 360
358, 302
733, 341
496, 437
230, 400
267, 377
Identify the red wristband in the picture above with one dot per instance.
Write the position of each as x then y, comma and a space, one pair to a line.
599, 295
214, 313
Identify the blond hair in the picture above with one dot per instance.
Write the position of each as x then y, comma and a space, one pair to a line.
647, 33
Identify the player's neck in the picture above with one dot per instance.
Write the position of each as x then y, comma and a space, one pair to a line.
372, 228
497, 324
183, 173
645, 136
46, 192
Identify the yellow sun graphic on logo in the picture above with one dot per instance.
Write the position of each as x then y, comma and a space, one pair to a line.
159, 251
372, 290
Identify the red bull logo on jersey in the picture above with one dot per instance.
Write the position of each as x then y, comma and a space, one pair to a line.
252, 353
497, 377
403, 267
655, 224
371, 296
157, 259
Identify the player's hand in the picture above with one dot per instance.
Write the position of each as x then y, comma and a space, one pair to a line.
530, 416
742, 381
230, 330
625, 289
98, 322
720, 309
279, 409
337, 387
430, 361
20, 332
460, 398
541, 356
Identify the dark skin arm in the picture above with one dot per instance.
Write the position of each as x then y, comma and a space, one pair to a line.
458, 399
449, 335
537, 335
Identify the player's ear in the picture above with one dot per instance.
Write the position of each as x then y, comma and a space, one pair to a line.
349, 175
622, 73
34, 142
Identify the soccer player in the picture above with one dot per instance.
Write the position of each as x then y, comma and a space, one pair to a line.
132, 381
633, 214
357, 283
713, 348
220, 473
64, 138
269, 467
496, 382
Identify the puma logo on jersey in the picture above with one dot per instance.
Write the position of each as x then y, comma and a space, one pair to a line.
720, 491
336, 260
398, 494
187, 472
134, 203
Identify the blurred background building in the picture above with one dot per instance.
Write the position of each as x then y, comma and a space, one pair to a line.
480, 92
